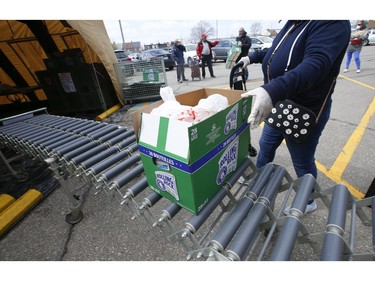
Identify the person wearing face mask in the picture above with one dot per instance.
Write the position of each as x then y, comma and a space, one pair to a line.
301, 65
355, 46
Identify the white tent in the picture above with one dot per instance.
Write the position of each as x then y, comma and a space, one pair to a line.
24, 46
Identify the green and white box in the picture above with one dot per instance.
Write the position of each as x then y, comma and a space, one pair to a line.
188, 163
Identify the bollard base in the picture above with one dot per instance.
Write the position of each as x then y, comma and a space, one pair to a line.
74, 217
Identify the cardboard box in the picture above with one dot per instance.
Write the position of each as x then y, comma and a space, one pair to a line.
187, 163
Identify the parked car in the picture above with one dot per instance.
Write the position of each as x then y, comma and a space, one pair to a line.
266, 41
124, 63
222, 49
370, 38
261, 42
152, 54
190, 54
121, 56
135, 56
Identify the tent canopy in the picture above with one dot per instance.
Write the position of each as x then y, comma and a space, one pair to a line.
25, 44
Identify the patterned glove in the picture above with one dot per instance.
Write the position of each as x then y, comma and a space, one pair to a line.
261, 108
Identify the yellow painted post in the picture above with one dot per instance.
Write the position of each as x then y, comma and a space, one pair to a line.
108, 113
5, 201
19, 208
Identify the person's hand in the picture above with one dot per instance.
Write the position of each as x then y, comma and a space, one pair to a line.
245, 60
262, 106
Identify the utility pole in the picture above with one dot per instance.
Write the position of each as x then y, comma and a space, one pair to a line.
122, 35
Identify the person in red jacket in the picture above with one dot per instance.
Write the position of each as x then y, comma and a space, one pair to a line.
204, 52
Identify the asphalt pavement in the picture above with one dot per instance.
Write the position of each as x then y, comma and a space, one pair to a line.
108, 231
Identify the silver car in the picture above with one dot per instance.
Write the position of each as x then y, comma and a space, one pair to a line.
370, 37
221, 50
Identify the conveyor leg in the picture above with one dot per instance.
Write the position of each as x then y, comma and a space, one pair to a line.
75, 215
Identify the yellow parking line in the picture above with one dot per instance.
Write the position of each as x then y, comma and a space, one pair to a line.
339, 166
357, 82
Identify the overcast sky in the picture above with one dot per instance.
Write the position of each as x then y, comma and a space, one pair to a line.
160, 31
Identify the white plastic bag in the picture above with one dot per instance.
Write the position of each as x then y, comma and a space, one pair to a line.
213, 103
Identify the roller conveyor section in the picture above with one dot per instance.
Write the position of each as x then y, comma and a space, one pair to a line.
249, 229
136, 188
333, 244
71, 145
124, 179
87, 164
91, 128
119, 168
63, 124
88, 125
78, 126
111, 135
108, 162
196, 221
62, 143
226, 231
121, 137
287, 237
84, 152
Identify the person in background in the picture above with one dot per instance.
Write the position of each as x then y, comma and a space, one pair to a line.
301, 65
204, 52
178, 55
355, 46
244, 42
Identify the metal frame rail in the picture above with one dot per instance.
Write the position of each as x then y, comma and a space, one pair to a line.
241, 222
90, 152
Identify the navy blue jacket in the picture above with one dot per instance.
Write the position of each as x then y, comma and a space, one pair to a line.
178, 53
314, 61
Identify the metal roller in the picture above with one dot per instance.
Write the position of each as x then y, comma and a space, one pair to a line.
91, 128
85, 165
108, 162
78, 151
62, 142
101, 132
86, 126
151, 200
26, 133
45, 136
117, 169
66, 124
249, 229
80, 126
125, 143
287, 237
238, 172
60, 123
69, 146
120, 138
77, 123
137, 188
333, 244
127, 177
225, 233
171, 211
111, 135
195, 222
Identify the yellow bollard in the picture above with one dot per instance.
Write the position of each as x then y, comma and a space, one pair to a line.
5, 201
19, 208
108, 112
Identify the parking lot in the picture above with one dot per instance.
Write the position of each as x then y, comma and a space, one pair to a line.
108, 232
